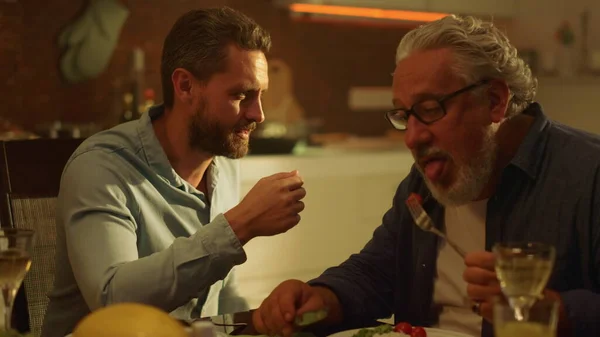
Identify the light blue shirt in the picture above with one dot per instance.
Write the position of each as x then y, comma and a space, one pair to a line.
129, 229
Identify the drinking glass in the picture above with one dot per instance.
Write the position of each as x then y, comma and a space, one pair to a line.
542, 320
15, 260
523, 269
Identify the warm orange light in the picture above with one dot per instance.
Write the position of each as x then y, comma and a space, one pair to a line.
374, 13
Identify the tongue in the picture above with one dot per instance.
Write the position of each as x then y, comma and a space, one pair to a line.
433, 169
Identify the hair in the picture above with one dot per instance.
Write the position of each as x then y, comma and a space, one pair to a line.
198, 42
481, 51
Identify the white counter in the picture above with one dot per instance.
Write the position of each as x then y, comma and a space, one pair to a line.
347, 194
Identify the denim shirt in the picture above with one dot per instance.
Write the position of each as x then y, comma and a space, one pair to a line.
549, 192
129, 229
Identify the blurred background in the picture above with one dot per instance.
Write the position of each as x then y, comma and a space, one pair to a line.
70, 68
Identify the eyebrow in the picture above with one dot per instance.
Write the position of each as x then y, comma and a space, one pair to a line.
246, 87
418, 98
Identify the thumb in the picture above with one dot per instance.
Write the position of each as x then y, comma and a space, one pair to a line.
312, 303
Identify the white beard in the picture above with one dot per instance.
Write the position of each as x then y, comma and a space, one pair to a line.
472, 178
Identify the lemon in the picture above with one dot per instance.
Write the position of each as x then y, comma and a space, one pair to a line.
129, 320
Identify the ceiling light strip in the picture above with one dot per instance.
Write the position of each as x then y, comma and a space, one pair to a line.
374, 13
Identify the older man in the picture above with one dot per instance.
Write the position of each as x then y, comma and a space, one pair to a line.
491, 167
149, 211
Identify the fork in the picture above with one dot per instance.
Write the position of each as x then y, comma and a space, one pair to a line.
423, 221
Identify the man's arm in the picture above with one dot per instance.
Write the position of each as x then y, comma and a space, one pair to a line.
582, 306
101, 236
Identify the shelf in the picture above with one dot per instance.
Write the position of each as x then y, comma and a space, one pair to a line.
575, 80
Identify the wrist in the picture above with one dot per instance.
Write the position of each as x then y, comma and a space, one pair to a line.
238, 221
332, 303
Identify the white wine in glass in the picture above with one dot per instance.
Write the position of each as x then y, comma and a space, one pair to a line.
542, 320
15, 260
523, 270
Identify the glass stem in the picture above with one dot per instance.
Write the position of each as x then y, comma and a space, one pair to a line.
9, 297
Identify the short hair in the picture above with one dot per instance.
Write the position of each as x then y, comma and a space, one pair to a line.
481, 51
198, 42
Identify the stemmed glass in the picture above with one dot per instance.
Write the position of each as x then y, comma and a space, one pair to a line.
542, 320
15, 260
523, 269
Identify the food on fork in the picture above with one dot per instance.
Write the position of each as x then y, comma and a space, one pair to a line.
415, 196
401, 329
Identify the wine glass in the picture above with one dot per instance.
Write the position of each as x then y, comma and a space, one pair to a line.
15, 260
542, 320
523, 269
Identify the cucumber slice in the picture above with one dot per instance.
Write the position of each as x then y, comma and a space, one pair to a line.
311, 317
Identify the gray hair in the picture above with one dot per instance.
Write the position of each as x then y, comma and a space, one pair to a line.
481, 51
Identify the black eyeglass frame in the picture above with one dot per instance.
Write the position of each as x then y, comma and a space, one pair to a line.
408, 112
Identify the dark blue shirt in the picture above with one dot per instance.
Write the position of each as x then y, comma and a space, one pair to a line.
549, 192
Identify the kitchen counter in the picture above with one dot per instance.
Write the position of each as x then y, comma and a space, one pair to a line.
327, 162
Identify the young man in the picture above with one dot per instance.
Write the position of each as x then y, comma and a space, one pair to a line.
148, 211
491, 167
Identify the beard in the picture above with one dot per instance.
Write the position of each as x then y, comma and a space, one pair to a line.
206, 134
471, 178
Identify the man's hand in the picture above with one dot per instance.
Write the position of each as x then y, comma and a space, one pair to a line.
291, 299
271, 207
482, 283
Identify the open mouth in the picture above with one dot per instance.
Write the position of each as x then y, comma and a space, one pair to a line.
433, 167
243, 133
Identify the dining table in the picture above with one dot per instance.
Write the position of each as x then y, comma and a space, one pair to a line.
240, 323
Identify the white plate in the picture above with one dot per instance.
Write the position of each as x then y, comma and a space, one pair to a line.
431, 332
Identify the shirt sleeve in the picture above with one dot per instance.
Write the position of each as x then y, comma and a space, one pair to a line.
364, 283
582, 305
97, 214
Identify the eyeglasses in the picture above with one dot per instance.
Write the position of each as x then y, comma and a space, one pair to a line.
427, 111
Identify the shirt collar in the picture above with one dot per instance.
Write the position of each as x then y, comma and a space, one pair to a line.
153, 151
157, 158
530, 152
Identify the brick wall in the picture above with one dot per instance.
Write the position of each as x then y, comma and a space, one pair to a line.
327, 59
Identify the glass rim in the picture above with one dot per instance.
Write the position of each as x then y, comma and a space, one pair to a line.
16, 232
522, 244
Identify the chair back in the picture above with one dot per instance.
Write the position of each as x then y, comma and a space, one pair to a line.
30, 172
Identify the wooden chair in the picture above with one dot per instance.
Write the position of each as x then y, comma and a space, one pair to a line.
30, 172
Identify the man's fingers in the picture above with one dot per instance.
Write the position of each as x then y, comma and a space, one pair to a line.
281, 175
297, 194
287, 304
482, 259
482, 293
258, 322
486, 310
298, 207
291, 183
479, 276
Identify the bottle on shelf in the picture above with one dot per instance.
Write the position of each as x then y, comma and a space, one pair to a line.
127, 113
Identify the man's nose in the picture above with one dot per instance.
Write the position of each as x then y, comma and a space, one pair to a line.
255, 112
416, 133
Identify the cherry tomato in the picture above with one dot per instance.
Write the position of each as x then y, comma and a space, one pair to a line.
416, 197
403, 327
418, 332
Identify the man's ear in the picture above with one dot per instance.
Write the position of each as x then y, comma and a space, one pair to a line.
499, 96
183, 83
